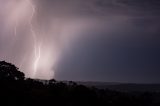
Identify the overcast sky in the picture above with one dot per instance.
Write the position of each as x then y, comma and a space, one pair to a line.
84, 40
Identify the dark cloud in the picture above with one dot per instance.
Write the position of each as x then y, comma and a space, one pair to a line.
129, 53
101, 40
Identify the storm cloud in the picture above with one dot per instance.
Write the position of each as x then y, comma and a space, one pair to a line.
93, 40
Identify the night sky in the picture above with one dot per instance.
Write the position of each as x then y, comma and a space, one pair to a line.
82, 40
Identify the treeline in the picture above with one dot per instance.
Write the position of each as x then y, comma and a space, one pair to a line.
15, 90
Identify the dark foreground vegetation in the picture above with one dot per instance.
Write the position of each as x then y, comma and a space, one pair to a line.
16, 90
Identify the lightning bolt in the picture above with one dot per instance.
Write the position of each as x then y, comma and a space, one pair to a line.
37, 47
38, 56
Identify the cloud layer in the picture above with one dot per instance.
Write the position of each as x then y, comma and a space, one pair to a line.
100, 40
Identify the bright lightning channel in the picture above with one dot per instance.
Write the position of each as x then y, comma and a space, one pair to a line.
37, 48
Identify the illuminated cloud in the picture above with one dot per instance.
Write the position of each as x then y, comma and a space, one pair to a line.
48, 38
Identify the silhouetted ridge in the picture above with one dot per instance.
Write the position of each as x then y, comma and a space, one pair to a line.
17, 91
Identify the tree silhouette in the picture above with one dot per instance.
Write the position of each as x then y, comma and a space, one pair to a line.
15, 91
52, 81
9, 71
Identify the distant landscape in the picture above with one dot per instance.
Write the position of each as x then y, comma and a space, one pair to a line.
124, 87
16, 90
